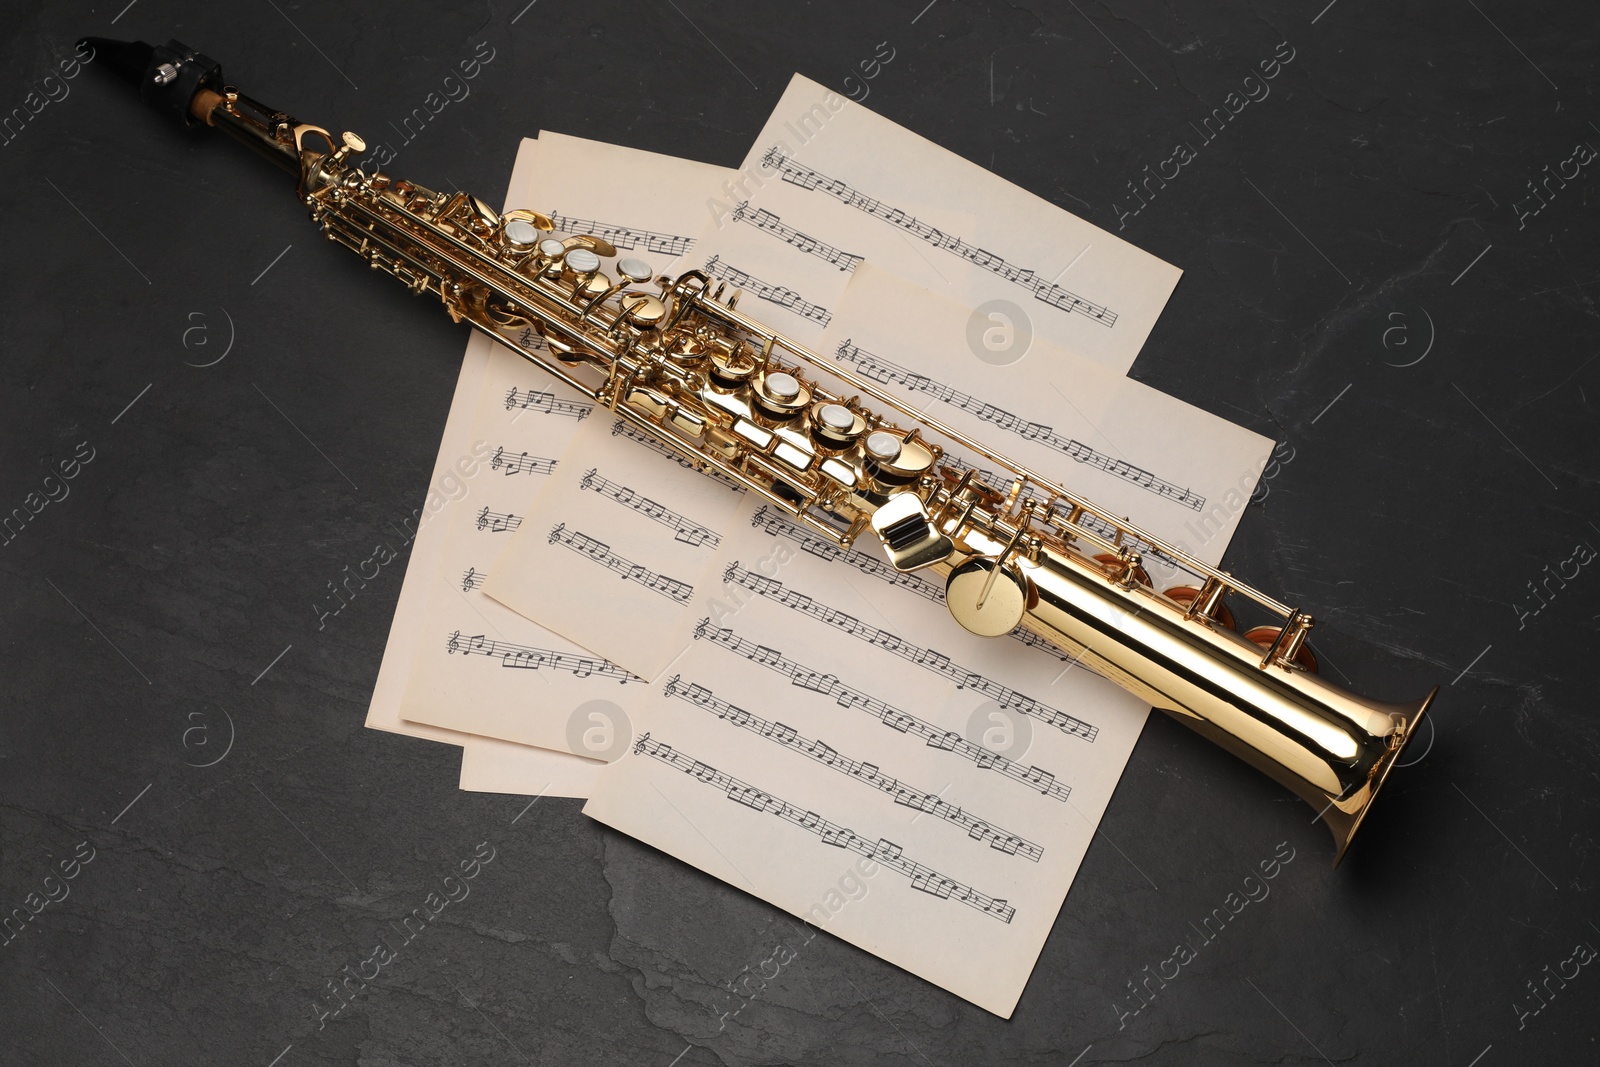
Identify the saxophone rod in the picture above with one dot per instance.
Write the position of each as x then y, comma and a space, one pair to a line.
683, 368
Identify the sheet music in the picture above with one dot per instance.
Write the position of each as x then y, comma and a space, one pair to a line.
836, 704
1178, 471
538, 771
504, 767
829, 184
604, 559
850, 721
480, 667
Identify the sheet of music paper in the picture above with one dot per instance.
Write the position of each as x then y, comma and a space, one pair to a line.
1173, 469
828, 184
478, 667
617, 545
831, 728
536, 770
848, 718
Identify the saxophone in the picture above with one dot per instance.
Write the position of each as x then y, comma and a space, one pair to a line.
675, 359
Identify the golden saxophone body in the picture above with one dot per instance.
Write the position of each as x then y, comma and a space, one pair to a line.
676, 359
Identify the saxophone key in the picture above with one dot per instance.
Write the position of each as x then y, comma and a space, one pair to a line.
635, 270
835, 426
793, 455
780, 395
840, 472
643, 310
723, 443
652, 403
1116, 568
1186, 595
757, 435
690, 423
895, 460
987, 597
1293, 651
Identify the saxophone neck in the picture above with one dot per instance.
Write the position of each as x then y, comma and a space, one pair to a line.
188, 86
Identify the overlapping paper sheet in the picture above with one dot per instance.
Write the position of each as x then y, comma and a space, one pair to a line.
616, 546
830, 723
513, 767
1132, 450
826, 726
459, 667
829, 183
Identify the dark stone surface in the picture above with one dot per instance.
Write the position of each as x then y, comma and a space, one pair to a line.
1394, 149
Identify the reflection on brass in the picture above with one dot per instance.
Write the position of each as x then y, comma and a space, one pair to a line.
733, 396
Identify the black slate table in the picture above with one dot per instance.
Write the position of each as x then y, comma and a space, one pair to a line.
1391, 268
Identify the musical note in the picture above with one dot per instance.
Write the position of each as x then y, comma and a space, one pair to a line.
1048, 292
600, 552
546, 403
775, 294
764, 220
472, 579
927, 659
526, 657
624, 236
778, 525
622, 428
683, 528
1086, 519
883, 851
521, 463
881, 370
498, 522
848, 697
866, 773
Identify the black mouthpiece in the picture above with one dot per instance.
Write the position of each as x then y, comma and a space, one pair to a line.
168, 76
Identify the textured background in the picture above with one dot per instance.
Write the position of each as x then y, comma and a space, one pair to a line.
1367, 281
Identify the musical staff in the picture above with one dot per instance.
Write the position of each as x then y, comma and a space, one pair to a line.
762, 219
546, 403
528, 658
868, 774
521, 463
881, 370
891, 716
1087, 520
624, 236
683, 528
775, 294
472, 579
497, 522
778, 525
926, 658
619, 428
629, 571
1045, 291
923, 879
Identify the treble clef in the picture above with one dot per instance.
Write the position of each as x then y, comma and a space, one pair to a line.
589, 478
511, 398
455, 643
467, 579
494, 463
555, 533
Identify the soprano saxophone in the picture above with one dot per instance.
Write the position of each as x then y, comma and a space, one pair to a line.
677, 360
